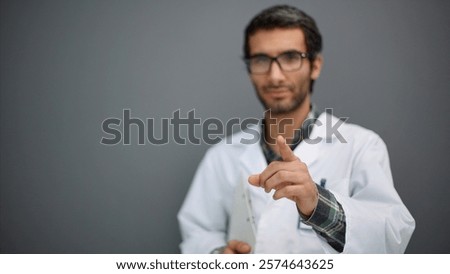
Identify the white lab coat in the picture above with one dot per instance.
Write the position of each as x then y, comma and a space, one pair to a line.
357, 173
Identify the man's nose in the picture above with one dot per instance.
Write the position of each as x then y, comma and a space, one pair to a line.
275, 72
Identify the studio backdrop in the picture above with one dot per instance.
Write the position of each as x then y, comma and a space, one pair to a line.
74, 178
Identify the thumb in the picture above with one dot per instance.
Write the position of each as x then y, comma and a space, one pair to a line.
286, 152
254, 180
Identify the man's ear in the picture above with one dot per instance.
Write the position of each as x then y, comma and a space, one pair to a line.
316, 67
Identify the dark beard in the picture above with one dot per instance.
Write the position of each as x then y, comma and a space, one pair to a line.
278, 108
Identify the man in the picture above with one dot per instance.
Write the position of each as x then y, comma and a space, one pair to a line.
308, 192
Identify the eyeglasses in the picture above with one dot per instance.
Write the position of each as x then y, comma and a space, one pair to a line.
287, 61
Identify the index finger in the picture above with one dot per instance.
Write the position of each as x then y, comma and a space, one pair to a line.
286, 152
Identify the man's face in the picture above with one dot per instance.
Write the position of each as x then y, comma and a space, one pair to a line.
280, 91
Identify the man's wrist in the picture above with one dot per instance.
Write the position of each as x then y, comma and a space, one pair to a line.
311, 211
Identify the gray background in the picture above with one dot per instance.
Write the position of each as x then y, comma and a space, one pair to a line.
68, 65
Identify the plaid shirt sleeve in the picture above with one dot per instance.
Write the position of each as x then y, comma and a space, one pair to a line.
328, 219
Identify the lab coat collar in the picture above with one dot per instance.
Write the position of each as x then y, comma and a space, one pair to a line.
253, 161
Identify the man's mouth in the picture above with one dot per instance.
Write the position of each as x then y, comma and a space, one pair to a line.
277, 92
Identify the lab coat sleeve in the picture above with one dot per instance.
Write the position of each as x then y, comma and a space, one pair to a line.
203, 215
377, 220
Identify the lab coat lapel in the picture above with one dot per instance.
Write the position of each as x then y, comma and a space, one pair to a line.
252, 159
309, 150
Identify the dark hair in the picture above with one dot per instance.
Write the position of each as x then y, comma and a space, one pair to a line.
284, 16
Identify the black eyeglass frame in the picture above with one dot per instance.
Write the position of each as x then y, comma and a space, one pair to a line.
247, 61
